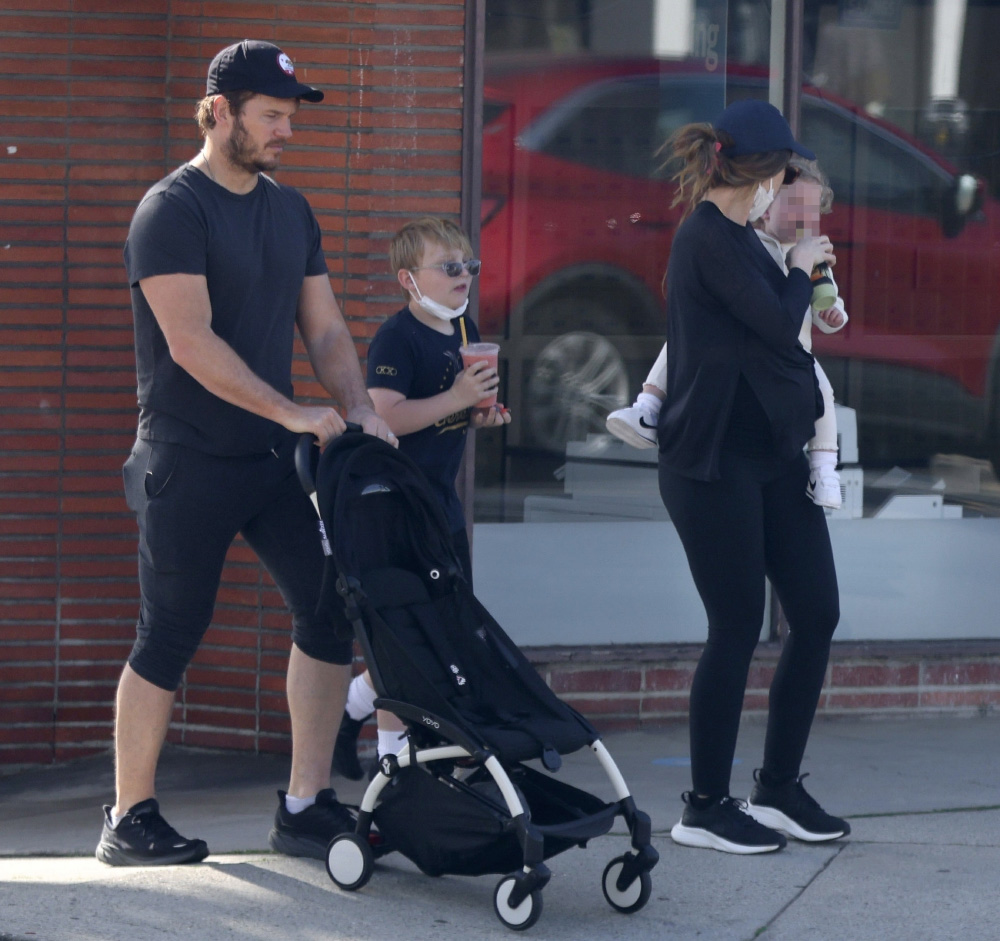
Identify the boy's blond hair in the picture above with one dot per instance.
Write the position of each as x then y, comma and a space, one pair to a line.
406, 250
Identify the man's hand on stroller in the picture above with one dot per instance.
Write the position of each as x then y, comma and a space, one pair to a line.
372, 424
322, 422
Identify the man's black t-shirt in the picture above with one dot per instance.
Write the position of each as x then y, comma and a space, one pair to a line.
411, 358
254, 250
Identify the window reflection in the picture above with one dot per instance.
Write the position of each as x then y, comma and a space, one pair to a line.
577, 229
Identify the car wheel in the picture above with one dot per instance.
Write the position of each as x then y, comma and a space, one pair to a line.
575, 380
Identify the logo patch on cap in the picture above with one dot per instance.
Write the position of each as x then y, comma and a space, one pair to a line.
286, 64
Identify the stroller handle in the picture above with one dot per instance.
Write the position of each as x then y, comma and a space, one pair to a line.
306, 461
307, 457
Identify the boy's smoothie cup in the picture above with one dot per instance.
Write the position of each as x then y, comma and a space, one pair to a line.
477, 353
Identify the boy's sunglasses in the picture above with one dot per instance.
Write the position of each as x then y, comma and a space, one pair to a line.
791, 175
454, 268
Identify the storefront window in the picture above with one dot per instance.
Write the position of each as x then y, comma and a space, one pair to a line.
897, 99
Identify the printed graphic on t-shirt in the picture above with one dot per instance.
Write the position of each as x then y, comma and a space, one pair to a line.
460, 419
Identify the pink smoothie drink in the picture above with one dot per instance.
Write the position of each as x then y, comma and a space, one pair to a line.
478, 353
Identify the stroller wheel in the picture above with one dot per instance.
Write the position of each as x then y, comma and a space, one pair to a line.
633, 896
349, 861
524, 915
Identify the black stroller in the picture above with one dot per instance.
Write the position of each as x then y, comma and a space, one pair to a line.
459, 799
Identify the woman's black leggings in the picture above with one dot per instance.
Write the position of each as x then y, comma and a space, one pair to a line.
756, 521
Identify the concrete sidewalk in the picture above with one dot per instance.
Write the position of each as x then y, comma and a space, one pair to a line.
923, 798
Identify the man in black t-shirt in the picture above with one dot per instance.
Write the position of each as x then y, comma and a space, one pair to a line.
224, 264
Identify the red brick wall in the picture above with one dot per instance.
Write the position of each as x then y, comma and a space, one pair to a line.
96, 102
629, 687
644, 686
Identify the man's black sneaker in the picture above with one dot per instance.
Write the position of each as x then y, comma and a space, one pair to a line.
791, 810
724, 825
144, 838
345, 750
308, 832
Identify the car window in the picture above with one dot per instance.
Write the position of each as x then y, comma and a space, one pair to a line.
619, 125
687, 101
868, 168
613, 128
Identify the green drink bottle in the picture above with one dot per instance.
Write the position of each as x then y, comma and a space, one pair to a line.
824, 293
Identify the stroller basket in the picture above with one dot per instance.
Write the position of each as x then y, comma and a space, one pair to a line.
464, 828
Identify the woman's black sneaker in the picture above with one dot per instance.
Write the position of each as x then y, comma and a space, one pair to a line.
144, 838
788, 808
308, 832
724, 825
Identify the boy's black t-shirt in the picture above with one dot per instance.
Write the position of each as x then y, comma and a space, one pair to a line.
411, 358
254, 251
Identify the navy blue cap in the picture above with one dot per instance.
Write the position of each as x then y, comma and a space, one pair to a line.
261, 67
757, 127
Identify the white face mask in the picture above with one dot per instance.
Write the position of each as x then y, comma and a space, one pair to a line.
762, 199
436, 309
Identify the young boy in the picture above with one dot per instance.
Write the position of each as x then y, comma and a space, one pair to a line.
420, 389
794, 213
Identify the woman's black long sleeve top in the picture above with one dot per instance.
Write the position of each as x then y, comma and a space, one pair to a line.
732, 311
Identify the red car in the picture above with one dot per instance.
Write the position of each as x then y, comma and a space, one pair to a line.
577, 227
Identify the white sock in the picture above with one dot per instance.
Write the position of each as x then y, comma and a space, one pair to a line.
360, 699
114, 819
295, 805
391, 742
649, 403
823, 460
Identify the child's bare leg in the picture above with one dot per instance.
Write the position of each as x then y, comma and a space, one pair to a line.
658, 375
824, 481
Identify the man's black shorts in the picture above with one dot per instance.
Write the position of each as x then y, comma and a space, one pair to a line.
190, 506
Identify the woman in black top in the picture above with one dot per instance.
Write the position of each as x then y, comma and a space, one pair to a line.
742, 400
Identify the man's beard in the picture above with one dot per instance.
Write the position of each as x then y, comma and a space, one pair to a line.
237, 150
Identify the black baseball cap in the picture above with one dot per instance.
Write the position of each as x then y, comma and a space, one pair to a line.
261, 67
757, 127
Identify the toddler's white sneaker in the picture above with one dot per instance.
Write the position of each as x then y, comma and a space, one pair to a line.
634, 425
824, 488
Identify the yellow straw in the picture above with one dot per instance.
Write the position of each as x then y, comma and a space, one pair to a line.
461, 324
